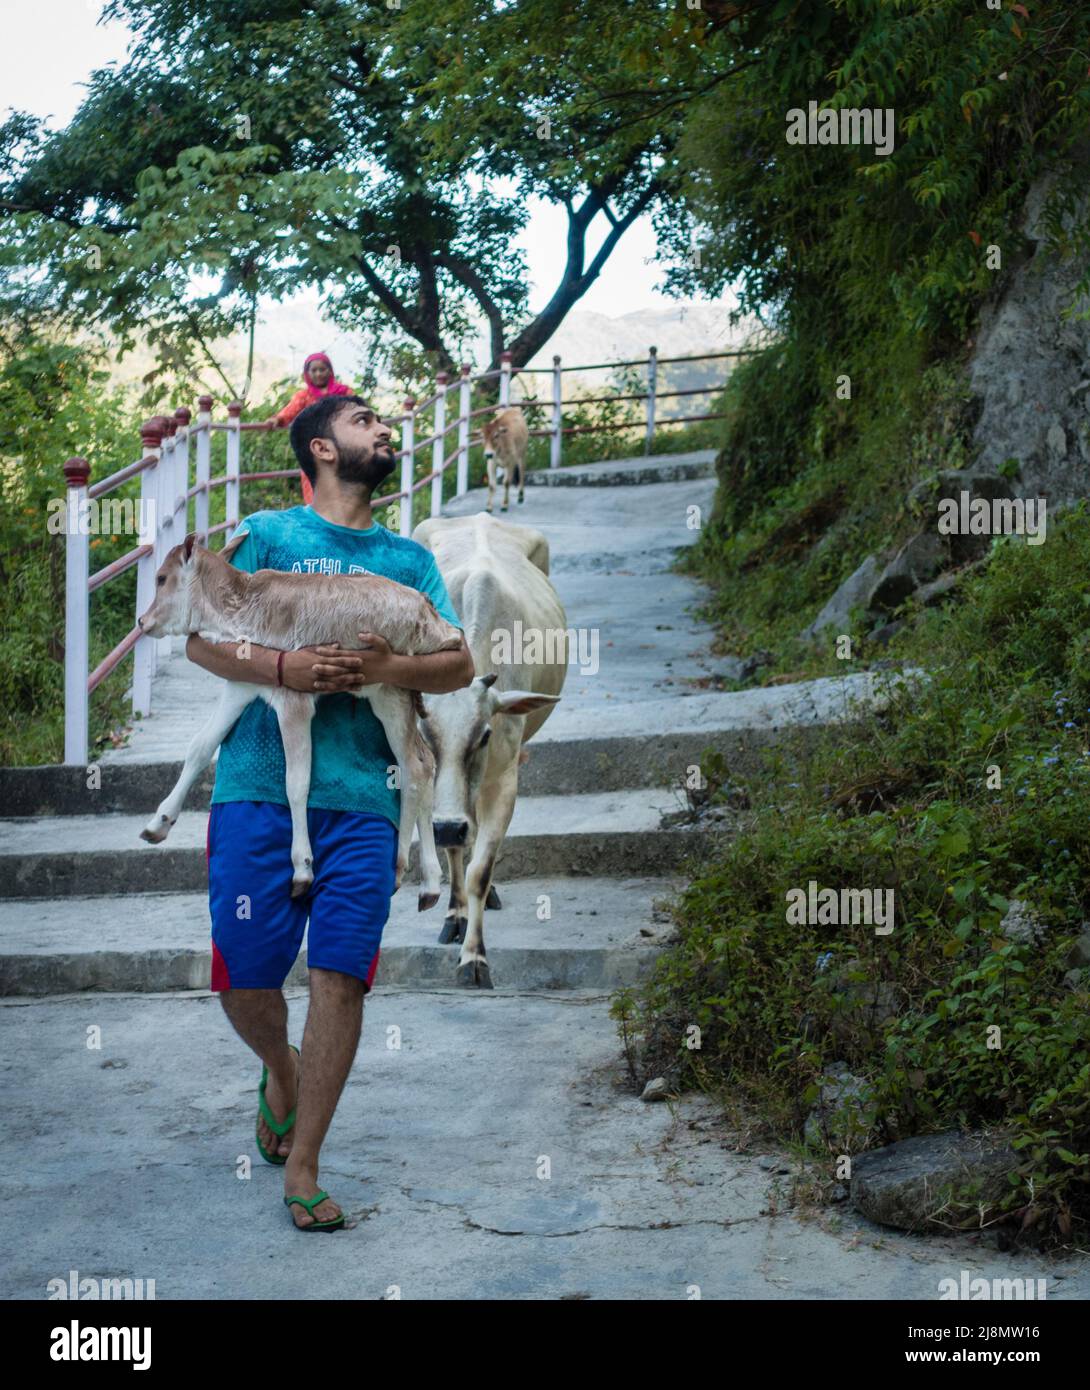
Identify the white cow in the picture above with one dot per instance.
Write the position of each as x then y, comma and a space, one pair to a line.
515, 627
198, 591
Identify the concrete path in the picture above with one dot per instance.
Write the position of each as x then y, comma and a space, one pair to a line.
487, 1146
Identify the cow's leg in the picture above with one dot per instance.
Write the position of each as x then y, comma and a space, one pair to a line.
454, 926
394, 709
522, 479
294, 711
497, 803
490, 463
506, 485
234, 698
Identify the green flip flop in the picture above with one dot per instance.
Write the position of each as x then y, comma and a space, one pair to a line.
310, 1203
279, 1128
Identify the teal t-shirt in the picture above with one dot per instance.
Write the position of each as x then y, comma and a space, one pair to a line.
351, 755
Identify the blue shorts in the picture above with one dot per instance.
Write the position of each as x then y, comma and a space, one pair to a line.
257, 926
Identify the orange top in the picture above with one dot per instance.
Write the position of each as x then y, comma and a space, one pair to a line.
298, 403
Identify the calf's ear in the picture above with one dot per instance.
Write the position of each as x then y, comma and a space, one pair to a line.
232, 545
187, 545
520, 701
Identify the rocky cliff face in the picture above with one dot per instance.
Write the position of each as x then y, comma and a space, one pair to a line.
1030, 372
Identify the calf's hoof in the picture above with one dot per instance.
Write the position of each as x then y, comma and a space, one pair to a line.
426, 901
493, 899
453, 929
156, 831
473, 974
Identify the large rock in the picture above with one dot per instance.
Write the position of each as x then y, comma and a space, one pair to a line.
909, 1184
950, 483
917, 561
1029, 364
855, 592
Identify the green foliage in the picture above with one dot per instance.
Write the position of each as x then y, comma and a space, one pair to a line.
902, 801
56, 405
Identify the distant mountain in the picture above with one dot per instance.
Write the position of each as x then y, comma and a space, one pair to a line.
289, 331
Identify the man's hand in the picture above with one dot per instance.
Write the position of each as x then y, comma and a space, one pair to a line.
320, 670
323, 669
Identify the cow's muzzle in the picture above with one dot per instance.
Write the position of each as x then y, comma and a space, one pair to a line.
451, 834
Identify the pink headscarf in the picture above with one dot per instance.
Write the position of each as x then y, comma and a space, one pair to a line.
332, 388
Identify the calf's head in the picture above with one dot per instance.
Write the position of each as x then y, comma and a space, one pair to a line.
458, 728
173, 610
493, 432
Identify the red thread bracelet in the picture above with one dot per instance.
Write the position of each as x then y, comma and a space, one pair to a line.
280, 668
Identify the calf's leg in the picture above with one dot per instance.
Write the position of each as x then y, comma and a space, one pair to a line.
234, 698
294, 711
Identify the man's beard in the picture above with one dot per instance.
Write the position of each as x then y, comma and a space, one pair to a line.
368, 468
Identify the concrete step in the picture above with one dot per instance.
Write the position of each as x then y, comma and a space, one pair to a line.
600, 934
609, 834
630, 472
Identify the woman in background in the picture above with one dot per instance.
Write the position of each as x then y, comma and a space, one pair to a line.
319, 381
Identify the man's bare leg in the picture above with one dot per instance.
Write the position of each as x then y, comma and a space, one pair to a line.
330, 1040
260, 1018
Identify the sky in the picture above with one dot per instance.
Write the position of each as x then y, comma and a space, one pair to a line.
52, 46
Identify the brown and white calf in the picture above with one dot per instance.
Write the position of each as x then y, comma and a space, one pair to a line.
497, 576
506, 437
198, 591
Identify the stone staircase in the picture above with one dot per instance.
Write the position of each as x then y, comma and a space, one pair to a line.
86, 905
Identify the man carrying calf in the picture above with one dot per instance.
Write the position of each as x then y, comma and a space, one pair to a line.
257, 927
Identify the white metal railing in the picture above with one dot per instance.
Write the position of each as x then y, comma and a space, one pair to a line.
166, 495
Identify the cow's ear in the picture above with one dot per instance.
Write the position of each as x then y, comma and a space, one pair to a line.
489, 678
188, 544
232, 545
520, 701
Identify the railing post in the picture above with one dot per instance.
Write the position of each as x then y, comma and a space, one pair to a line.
204, 467
465, 390
407, 430
505, 378
556, 442
652, 379
167, 538
234, 455
151, 436
440, 442
181, 474
77, 551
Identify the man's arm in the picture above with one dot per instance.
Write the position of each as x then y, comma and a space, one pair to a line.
375, 664
300, 668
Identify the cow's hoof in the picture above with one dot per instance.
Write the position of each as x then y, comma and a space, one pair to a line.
299, 886
503, 509
493, 899
521, 500
426, 901
156, 835
453, 929
473, 974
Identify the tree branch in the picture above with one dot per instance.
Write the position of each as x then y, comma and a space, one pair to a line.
464, 273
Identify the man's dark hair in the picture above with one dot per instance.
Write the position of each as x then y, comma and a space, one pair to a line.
316, 422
